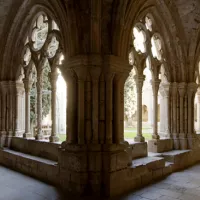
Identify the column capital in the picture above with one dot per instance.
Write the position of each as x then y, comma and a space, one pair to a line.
116, 64
164, 89
27, 84
95, 73
155, 86
139, 61
81, 72
174, 87
139, 80
19, 88
198, 91
4, 85
182, 89
191, 88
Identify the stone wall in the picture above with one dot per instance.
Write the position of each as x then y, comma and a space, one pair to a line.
37, 148
42, 169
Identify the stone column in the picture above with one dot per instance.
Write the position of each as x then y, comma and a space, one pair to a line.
155, 86
72, 130
182, 134
174, 116
198, 111
139, 84
191, 90
39, 134
19, 92
27, 86
54, 76
167, 110
95, 73
4, 89
119, 82
3, 132
164, 114
81, 73
11, 108
109, 107
104, 145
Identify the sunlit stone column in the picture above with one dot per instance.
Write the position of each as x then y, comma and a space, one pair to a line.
139, 83
19, 92
27, 86
198, 111
164, 110
54, 77
155, 86
182, 134
167, 88
39, 134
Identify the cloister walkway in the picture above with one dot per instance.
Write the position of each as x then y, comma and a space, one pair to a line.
184, 185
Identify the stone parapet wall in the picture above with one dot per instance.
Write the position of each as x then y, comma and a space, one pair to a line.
135, 177
37, 148
39, 168
99, 169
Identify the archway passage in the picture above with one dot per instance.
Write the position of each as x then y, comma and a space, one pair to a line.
147, 85
42, 58
88, 43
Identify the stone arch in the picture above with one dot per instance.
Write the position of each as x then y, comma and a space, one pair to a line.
20, 27
173, 46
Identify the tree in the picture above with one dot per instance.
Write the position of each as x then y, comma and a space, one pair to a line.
130, 97
46, 97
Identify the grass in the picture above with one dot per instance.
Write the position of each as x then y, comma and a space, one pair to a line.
62, 137
129, 133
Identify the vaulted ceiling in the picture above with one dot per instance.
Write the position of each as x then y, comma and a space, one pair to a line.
113, 18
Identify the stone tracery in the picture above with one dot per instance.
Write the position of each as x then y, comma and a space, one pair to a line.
42, 51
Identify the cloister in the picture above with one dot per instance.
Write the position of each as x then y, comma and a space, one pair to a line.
95, 45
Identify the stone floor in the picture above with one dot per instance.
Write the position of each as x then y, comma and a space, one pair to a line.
183, 185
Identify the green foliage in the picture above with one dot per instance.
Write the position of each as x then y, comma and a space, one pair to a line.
46, 96
130, 105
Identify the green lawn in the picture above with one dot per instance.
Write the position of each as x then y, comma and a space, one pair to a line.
62, 137
129, 133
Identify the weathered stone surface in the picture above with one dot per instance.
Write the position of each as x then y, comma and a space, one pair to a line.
139, 149
158, 146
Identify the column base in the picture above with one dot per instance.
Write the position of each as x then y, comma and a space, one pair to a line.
10, 133
139, 138
18, 133
193, 141
86, 168
159, 146
165, 135
183, 141
27, 135
54, 138
39, 137
3, 135
176, 142
155, 137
